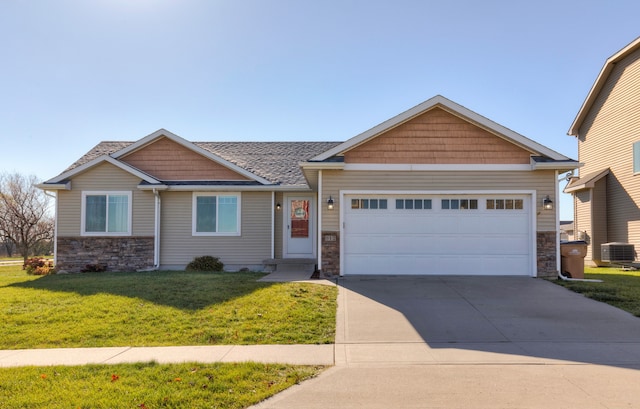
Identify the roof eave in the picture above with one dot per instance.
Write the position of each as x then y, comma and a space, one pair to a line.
104, 158
597, 86
54, 186
556, 165
239, 188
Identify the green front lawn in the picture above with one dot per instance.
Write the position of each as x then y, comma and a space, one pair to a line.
160, 308
147, 385
618, 288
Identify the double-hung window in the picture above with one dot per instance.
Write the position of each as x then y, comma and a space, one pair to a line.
216, 214
106, 214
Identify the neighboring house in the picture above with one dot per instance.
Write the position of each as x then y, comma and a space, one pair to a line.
607, 127
437, 189
566, 230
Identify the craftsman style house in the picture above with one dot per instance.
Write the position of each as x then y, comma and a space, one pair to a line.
437, 189
607, 127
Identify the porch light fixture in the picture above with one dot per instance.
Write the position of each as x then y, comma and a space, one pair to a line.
330, 203
278, 206
547, 204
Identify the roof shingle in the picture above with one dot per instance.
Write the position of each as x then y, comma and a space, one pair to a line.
278, 162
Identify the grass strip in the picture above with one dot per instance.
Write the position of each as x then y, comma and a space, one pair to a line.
147, 385
160, 308
619, 288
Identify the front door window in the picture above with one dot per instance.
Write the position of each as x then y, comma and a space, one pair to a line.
299, 219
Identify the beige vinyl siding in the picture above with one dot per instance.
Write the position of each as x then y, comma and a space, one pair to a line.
105, 177
543, 182
178, 247
278, 245
606, 141
582, 217
599, 225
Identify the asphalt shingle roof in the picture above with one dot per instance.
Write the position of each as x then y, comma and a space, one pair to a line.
277, 162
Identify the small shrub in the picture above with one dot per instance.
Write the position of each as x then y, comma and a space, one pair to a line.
39, 266
205, 263
94, 268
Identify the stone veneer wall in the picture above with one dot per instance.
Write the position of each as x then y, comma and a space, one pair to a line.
547, 257
330, 253
116, 253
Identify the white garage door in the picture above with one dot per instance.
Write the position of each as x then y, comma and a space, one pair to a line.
437, 234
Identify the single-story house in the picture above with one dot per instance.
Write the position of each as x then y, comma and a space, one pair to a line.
437, 189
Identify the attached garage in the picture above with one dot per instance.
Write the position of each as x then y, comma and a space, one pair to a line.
443, 234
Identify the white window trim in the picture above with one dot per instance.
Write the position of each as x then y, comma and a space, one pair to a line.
635, 149
194, 213
83, 211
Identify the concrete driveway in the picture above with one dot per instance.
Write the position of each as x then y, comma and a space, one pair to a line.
474, 342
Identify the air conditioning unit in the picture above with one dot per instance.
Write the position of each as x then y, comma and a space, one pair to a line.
618, 253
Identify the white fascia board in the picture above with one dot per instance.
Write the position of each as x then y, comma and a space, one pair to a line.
153, 187
104, 158
54, 186
440, 192
321, 165
189, 145
453, 108
218, 188
560, 165
428, 167
597, 86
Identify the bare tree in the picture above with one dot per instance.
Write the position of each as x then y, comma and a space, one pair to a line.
25, 218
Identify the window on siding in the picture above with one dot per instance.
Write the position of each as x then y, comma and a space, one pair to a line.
369, 204
411, 204
216, 214
106, 213
636, 157
459, 204
505, 204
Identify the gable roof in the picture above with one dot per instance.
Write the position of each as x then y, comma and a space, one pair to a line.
96, 160
163, 133
275, 163
597, 86
453, 108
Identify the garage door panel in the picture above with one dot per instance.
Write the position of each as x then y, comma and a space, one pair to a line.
438, 241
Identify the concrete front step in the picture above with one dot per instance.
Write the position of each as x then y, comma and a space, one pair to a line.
290, 265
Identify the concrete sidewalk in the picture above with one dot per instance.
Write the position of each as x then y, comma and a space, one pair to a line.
288, 354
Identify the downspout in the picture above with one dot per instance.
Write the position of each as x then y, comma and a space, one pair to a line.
319, 255
55, 226
558, 254
273, 225
156, 238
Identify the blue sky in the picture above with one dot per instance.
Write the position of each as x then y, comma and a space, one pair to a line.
75, 72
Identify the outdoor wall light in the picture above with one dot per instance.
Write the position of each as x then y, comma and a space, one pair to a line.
278, 206
330, 203
547, 204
